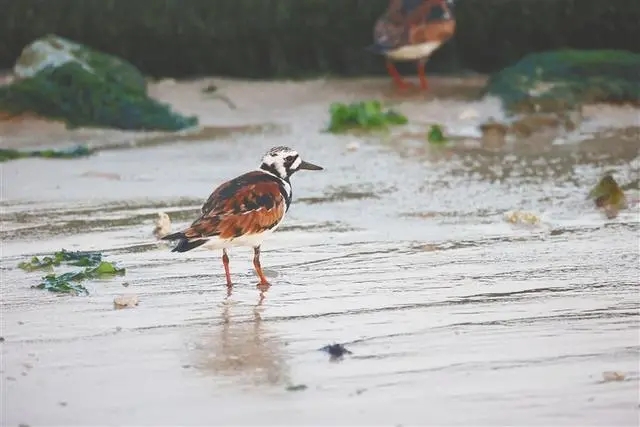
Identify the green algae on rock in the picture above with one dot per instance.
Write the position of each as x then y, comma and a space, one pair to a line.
62, 80
559, 80
608, 196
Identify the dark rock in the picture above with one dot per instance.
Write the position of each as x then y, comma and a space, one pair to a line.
336, 350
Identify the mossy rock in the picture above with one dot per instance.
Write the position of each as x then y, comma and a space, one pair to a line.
62, 80
559, 80
55, 51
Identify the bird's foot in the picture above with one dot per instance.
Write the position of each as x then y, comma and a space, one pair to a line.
263, 286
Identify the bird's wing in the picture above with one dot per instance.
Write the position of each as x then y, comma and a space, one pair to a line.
249, 204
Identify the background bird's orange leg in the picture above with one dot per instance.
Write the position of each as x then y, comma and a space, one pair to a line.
424, 85
397, 78
225, 262
256, 264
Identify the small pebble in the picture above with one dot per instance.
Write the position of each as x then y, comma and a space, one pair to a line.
298, 387
162, 225
336, 350
125, 301
353, 146
609, 376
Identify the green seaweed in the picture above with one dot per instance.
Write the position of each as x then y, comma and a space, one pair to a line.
77, 151
363, 115
77, 258
436, 135
94, 267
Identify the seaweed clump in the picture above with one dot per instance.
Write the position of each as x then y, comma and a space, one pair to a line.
66, 81
70, 282
363, 115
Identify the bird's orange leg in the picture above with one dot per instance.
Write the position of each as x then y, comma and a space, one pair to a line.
264, 283
225, 262
397, 78
424, 85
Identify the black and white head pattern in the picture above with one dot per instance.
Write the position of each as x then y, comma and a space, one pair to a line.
281, 161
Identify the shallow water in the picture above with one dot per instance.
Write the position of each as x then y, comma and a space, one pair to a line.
398, 250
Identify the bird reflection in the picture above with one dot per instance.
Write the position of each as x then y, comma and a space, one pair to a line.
242, 348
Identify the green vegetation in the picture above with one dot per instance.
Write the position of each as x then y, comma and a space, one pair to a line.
70, 153
364, 115
436, 135
94, 267
557, 80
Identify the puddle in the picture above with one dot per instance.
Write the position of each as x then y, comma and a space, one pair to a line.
398, 250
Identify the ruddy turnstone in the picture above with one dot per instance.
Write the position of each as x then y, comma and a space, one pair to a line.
411, 30
245, 210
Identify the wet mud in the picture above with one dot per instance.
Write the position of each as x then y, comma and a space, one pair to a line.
399, 250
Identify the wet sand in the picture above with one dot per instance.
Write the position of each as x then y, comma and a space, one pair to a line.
398, 249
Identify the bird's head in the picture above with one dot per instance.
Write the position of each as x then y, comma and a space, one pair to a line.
284, 162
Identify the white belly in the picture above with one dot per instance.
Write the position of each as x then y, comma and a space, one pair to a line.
413, 52
250, 240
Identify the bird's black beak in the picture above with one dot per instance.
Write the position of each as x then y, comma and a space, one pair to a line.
309, 166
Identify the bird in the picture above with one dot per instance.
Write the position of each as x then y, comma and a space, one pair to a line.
412, 30
245, 210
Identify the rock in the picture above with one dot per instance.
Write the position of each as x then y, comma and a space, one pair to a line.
608, 196
493, 134
522, 218
163, 225
558, 80
609, 376
125, 301
53, 51
62, 80
353, 146
336, 351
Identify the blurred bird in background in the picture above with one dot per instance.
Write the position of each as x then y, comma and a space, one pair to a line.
411, 30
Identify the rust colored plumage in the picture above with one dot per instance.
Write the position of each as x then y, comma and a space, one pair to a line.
411, 30
252, 203
244, 210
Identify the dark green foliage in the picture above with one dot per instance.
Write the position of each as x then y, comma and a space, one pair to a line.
567, 77
287, 38
94, 267
364, 115
77, 258
68, 153
80, 98
436, 135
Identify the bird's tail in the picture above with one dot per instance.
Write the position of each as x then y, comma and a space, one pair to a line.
184, 244
377, 48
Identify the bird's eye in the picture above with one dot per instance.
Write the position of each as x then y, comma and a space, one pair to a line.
289, 158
